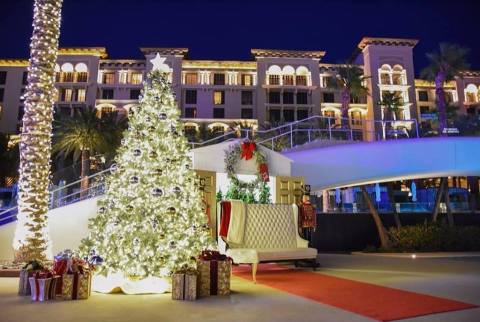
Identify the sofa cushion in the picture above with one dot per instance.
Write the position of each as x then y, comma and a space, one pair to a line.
286, 254
248, 255
269, 227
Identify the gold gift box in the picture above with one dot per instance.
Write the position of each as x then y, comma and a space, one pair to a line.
224, 268
184, 286
80, 291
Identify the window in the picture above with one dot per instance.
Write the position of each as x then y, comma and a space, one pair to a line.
274, 115
104, 111
190, 96
107, 94
302, 114
247, 80
288, 115
301, 80
218, 79
218, 113
470, 97
191, 112
287, 79
108, 78
247, 98
3, 78
66, 77
423, 96
287, 97
66, 95
134, 94
2, 93
191, 78
247, 113
356, 118
424, 109
329, 113
21, 111
81, 92
136, 78
190, 129
219, 97
217, 129
329, 97
385, 79
82, 77
302, 98
274, 97
327, 81
25, 78
449, 97
273, 80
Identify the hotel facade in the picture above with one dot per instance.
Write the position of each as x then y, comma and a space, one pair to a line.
274, 87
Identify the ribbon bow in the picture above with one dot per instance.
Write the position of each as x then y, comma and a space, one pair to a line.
247, 150
209, 255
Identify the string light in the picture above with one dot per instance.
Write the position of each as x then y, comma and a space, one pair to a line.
31, 239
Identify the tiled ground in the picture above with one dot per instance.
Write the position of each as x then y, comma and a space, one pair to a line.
457, 279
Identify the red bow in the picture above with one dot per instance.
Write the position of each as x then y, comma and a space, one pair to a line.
247, 150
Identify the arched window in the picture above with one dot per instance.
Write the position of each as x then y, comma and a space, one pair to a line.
398, 75
81, 71
302, 76
273, 74
385, 72
471, 93
288, 75
66, 74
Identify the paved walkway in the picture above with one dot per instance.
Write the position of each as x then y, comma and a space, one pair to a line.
454, 278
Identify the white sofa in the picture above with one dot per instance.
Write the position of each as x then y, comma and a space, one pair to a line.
271, 234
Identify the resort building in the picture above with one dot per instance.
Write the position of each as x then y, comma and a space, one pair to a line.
275, 86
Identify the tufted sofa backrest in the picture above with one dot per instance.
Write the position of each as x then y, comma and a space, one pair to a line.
269, 226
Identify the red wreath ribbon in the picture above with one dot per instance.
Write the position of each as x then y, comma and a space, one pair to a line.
263, 169
247, 150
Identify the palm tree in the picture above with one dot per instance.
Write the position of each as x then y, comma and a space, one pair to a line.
86, 134
392, 102
445, 64
31, 239
350, 80
382, 231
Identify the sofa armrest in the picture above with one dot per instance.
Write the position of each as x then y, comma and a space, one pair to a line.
302, 243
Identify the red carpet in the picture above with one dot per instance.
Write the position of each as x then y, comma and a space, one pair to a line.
373, 301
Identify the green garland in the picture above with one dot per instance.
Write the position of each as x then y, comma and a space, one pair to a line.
245, 190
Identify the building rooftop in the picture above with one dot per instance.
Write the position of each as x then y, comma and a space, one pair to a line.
14, 62
387, 42
165, 51
258, 53
76, 51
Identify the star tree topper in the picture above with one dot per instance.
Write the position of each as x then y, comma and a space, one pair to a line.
159, 64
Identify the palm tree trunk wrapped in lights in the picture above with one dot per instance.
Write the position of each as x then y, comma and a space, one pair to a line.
31, 239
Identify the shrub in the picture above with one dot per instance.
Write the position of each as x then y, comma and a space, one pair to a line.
433, 237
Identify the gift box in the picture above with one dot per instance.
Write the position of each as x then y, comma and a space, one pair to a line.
26, 272
43, 286
214, 271
184, 285
75, 276
75, 286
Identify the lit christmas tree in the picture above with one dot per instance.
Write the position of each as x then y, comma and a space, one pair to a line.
151, 221
31, 239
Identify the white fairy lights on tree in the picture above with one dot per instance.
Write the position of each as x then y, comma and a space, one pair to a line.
151, 221
31, 239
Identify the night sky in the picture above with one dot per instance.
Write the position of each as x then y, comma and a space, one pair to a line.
228, 29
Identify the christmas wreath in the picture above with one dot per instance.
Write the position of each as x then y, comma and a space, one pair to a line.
255, 191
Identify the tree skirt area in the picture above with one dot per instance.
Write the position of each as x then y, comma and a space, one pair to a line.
373, 301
